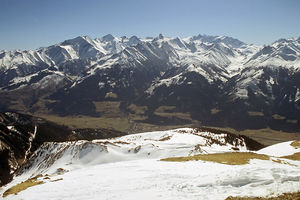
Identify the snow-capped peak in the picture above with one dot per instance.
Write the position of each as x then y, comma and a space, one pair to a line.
231, 42
134, 40
160, 36
283, 52
108, 37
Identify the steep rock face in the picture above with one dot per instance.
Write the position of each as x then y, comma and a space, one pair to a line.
249, 86
21, 135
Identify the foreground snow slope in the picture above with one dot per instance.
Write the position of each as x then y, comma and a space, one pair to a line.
281, 149
156, 145
152, 179
129, 167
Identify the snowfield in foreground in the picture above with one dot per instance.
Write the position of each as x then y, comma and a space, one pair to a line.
129, 167
152, 179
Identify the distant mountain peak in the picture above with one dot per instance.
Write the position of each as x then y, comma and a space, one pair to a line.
78, 39
108, 37
160, 36
134, 40
162, 71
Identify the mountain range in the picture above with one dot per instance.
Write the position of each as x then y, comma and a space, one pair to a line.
214, 80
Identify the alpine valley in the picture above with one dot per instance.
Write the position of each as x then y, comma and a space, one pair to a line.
204, 80
139, 85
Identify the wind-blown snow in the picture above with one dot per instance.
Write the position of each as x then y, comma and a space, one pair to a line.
129, 167
161, 144
152, 179
281, 149
297, 96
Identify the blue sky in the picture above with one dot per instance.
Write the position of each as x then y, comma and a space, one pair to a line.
29, 24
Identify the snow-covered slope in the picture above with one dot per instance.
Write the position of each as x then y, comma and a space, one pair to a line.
152, 179
208, 72
129, 167
263, 68
153, 145
20, 136
200, 50
213, 57
226, 54
284, 52
281, 149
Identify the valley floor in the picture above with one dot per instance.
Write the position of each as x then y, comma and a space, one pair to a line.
265, 136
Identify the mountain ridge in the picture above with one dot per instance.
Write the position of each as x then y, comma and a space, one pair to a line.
21, 135
196, 74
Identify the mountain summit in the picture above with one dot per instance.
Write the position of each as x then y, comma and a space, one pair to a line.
215, 80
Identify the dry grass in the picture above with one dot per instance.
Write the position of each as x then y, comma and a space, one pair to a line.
108, 108
254, 113
214, 111
137, 113
269, 137
59, 179
295, 156
233, 158
285, 196
137, 117
29, 183
124, 124
169, 112
140, 110
22, 186
185, 116
121, 142
163, 109
165, 138
265, 136
292, 121
117, 123
284, 162
278, 117
131, 123
296, 144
